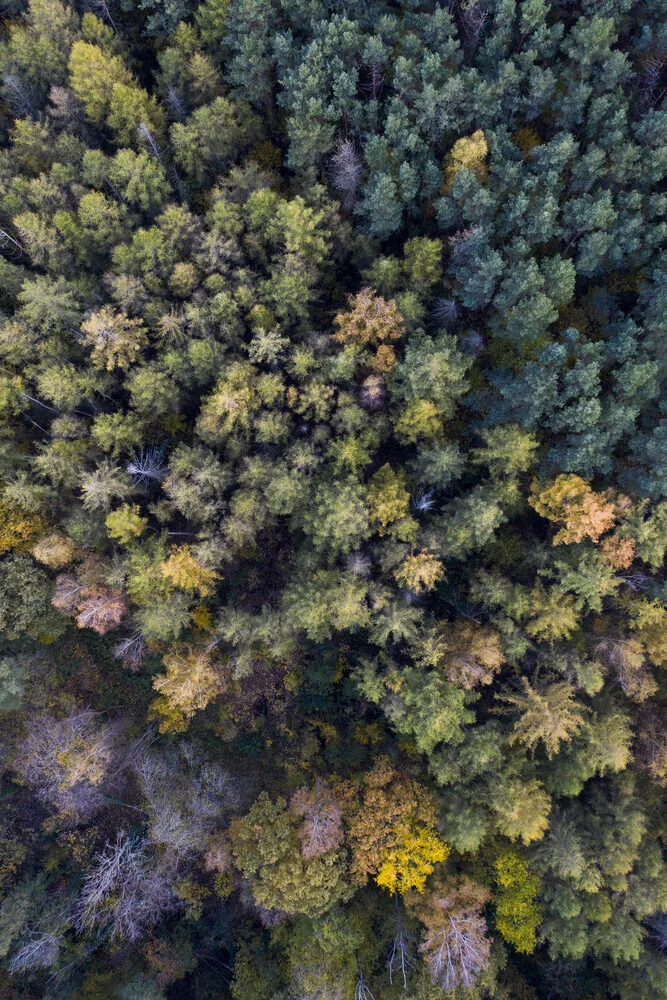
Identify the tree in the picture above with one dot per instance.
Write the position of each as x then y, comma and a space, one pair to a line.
322, 813
369, 321
264, 843
67, 760
54, 550
184, 571
517, 913
213, 136
508, 450
521, 809
126, 523
570, 501
12, 684
468, 153
126, 890
338, 519
115, 339
389, 806
18, 528
420, 571
468, 653
550, 715
25, 592
93, 76
388, 503
189, 684
454, 938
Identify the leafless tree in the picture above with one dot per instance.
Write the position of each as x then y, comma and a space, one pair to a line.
101, 8
126, 891
627, 657
401, 959
147, 466
131, 651
100, 608
446, 311
185, 799
17, 96
66, 761
65, 111
657, 926
41, 950
474, 16
361, 990
176, 105
454, 939
346, 170
148, 140
66, 595
322, 827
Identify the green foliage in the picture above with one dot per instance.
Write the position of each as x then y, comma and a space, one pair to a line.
332, 473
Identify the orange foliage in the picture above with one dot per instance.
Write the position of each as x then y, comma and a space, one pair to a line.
389, 804
570, 501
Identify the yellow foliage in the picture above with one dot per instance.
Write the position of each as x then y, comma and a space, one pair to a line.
18, 528
388, 500
410, 860
189, 684
420, 421
570, 501
126, 523
517, 913
54, 550
201, 616
170, 719
470, 152
370, 320
420, 572
526, 139
187, 573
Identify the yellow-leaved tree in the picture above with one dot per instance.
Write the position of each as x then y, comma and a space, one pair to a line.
187, 686
570, 501
411, 859
517, 913
187, 573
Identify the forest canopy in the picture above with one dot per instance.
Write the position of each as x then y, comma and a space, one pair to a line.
333, 499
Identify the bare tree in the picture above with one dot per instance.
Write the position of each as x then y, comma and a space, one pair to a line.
65, 111
100, 608
126, 891
401, 959
361, 990
66, 761
446, 312
454, 939
322, 828
346, 170
131, 651
41, 950
627, 657
18, 96
185, 800
474, 16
